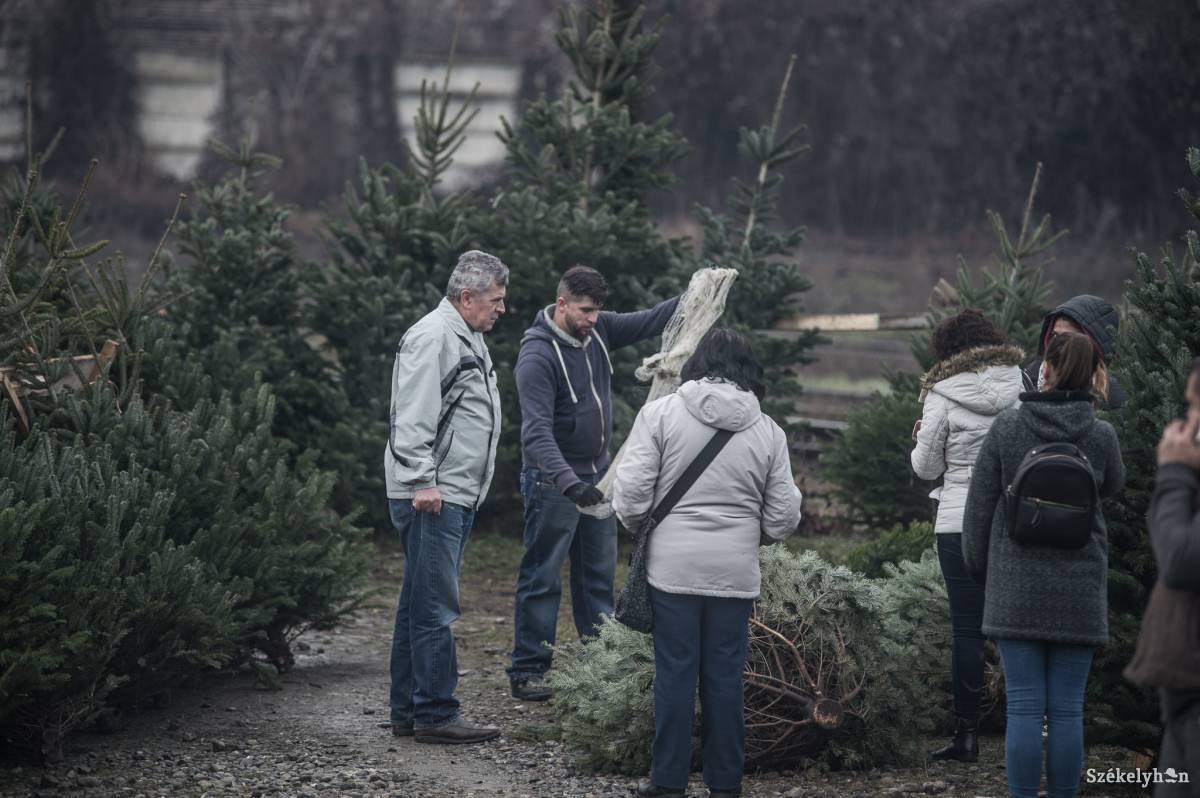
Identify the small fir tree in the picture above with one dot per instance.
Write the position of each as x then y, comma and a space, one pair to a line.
390, 260
149, 531
869, 466
762, 255
579, 171
1159, 337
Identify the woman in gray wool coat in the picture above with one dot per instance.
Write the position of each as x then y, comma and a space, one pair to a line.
1046, 608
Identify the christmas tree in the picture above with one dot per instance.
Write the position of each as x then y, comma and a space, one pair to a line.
152, 527
869, 466
580, 169
1159, 337
389, 263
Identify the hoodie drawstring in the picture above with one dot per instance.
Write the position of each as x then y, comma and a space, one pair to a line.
604, 348
566, 376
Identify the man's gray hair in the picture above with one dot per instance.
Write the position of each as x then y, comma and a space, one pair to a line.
475, 272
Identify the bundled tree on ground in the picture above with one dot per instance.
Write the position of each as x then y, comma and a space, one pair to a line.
869, 465
1159, 337
842, 672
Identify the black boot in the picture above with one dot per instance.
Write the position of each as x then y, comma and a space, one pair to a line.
964, 747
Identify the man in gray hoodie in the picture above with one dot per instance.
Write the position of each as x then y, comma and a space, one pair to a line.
438, 464
564, 381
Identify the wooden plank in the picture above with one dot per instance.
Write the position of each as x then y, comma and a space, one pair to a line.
86, 370
853, 322
821, 424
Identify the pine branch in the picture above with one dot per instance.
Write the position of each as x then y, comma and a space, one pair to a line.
439, 135
764, 166
597, 87
5, 259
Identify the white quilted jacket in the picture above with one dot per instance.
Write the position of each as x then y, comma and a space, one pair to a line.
958, 412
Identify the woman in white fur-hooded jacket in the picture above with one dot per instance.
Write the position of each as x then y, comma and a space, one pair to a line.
978, 375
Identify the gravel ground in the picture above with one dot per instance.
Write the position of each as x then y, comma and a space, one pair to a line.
321, 734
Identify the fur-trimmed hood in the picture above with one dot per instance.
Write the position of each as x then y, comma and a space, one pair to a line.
975, 359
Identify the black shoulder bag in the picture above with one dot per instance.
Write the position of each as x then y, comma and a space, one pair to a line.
633, 604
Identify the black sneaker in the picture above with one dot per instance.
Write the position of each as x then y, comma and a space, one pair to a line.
399, 730
522, 690
648, 789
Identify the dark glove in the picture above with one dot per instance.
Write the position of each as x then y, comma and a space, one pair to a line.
584, 495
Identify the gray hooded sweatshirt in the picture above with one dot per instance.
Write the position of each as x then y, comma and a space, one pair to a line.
708, 545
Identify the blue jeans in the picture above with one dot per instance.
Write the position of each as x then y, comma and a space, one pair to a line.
699, 639
1044, 680
424, 662
554, 531
966, 621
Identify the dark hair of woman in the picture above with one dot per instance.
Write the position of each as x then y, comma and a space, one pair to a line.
1077, 364
963, 331
726, 355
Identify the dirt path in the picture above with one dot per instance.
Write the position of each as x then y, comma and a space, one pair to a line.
321, 736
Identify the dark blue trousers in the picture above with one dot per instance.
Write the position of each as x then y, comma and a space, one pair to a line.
966, 619
699, 640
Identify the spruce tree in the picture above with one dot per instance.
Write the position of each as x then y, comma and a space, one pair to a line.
1159, 337
389, 263
581, 166
151, 526
748, 240
869, 465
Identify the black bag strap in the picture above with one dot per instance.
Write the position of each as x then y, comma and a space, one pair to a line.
715, 444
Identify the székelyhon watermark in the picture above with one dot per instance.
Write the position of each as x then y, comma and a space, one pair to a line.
1143, 778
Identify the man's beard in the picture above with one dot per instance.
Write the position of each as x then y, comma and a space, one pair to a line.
576, 332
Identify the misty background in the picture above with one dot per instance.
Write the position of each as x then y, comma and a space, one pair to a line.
920, 115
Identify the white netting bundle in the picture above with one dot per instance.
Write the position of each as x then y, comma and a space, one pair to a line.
698, 310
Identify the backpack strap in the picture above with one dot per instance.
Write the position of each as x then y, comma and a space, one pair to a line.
715, 444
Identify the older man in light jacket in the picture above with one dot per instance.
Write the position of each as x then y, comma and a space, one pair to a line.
441, 452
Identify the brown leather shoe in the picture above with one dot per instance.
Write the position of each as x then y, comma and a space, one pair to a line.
457, 732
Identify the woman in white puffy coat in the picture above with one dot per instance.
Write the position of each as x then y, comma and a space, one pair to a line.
978, 374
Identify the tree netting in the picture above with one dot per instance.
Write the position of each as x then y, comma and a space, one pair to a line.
698, 310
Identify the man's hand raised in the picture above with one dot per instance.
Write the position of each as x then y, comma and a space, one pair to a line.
1178, 443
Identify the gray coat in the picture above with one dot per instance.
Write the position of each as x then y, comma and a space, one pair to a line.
708, 545
445, 417
1032, 592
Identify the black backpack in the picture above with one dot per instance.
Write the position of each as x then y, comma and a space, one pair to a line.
1052, 500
